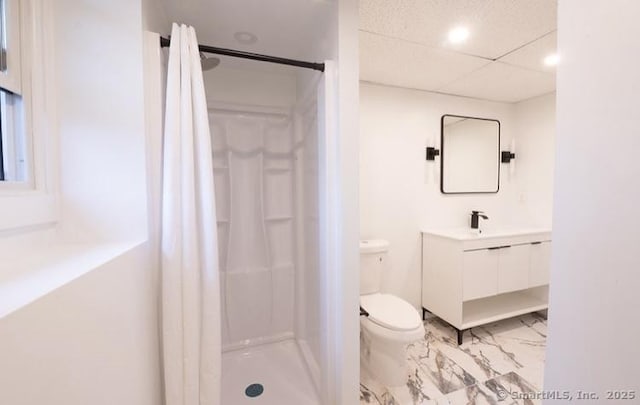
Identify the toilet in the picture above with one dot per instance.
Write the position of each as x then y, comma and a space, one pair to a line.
391, 324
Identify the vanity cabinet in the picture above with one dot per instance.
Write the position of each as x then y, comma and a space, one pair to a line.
480, 271
470, 279
539, 267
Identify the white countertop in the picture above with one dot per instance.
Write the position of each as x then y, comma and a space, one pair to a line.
464, 234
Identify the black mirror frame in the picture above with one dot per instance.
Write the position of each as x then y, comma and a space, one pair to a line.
442, 150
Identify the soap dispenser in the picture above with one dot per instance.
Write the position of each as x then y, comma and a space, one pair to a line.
475, 220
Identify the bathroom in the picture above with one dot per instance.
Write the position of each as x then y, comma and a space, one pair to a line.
331, 181
409, 100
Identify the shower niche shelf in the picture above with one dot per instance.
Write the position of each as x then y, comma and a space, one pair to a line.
279, 218
278, 169
282, 266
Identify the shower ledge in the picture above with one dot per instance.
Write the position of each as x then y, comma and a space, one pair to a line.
33, 274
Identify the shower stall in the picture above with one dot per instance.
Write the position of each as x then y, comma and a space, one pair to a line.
270, 125
266, 178
265, 154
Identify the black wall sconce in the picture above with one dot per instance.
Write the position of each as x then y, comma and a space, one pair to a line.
507, 156
432, 153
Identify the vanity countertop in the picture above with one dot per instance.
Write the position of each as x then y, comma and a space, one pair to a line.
467, 234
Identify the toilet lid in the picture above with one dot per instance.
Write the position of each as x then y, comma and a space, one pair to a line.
390, 312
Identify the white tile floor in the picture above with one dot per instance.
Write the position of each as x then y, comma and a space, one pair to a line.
279, 367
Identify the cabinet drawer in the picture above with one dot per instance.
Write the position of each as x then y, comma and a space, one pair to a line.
513, 268
480, 274
540, 264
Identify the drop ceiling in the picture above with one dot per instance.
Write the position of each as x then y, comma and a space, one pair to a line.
404, 43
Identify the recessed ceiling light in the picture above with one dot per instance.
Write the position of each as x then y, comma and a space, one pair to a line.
245, 37
458, 35
551, 60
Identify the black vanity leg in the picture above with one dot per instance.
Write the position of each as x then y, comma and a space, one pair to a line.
460, 332
425, 312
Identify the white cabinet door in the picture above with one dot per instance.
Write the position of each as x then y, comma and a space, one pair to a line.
513, 268
540, 263
479, 274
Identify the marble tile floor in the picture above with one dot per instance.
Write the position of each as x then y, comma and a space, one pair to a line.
494, 361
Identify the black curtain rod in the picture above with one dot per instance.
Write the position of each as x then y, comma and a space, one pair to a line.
165, 42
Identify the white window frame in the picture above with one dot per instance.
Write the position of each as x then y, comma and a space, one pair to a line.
34, 201
11, 78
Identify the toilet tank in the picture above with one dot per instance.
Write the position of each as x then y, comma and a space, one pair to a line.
373, 262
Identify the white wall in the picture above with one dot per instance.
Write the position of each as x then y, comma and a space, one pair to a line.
252, 86
535, 130
100, 118
595, 277
92, 341
154, 17
346, 367
400, 190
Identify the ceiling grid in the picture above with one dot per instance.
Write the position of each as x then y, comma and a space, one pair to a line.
404, 43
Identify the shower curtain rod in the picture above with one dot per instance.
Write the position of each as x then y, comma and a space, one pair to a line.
165, 42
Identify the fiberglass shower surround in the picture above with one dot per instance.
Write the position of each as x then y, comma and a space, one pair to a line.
266, 171
254, 159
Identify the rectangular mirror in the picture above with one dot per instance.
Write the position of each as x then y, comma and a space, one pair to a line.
470, 156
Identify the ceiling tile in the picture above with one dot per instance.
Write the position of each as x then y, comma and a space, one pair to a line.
399, 63
497, 26
532, 56
501, 82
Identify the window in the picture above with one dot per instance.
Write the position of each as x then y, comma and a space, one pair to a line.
13, 151
27, 115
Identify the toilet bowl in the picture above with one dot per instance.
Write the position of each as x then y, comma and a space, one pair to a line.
391, 326
391, 323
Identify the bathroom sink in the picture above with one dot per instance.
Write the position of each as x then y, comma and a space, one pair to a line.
471, 234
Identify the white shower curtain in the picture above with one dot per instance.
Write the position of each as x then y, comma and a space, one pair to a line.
190, 273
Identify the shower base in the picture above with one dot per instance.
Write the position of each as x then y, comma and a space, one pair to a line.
277, 367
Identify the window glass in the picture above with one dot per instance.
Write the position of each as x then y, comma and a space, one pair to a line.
12, 140
12, 135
